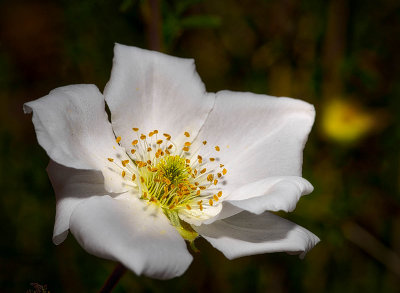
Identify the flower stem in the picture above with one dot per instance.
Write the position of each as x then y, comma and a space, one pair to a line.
113, 279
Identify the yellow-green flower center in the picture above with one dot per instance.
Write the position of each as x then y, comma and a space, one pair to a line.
181, 182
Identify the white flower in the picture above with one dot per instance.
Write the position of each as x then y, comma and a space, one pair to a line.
175, 163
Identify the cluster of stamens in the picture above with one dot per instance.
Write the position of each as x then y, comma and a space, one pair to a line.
174, 177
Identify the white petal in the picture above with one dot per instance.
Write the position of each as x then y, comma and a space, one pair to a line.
132, 232
272, 194
228, 210
248, 234
151, 90
195, 216
71, 186
72, 126
259, 136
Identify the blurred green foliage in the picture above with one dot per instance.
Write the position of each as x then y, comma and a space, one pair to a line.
319, 51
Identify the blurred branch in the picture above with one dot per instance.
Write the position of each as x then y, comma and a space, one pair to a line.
113, 279
152, 17
371, 245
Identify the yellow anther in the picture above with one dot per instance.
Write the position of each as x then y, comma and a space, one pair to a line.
200, 202
167, 152
149, 149
151, 133
110, 159
195, 172
141, 179
125, 162
135, 142
186, 134
212, 159
141, 164
133, 177
203, 171
154, 169
118, 139
123, 173
166, 180
188, 207
211, 202
165, 189
198, 192
170, 146
219, 193
142, 137
196, 183
155, 131
205, 142
159, 141
210, 177
202, 187
215, 182
166, 135
133, 151
219, 175
215, 197
145, 195
149, 168
201, 207
171, 206
135, 129
187, 143
224, 171
217, 148
220, 165
186, 149
149, 162
187, 161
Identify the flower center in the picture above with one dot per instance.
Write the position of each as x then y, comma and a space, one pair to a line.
178, 179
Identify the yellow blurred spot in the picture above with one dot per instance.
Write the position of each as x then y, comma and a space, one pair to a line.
344, 121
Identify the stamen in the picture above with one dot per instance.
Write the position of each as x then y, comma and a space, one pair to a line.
186, 134
217, 148
224, 171
110, 159
135, 142
125, 162
123, 174
142, 137
118, 139
135, 129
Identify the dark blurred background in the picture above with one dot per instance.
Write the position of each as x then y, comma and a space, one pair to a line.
342, 56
